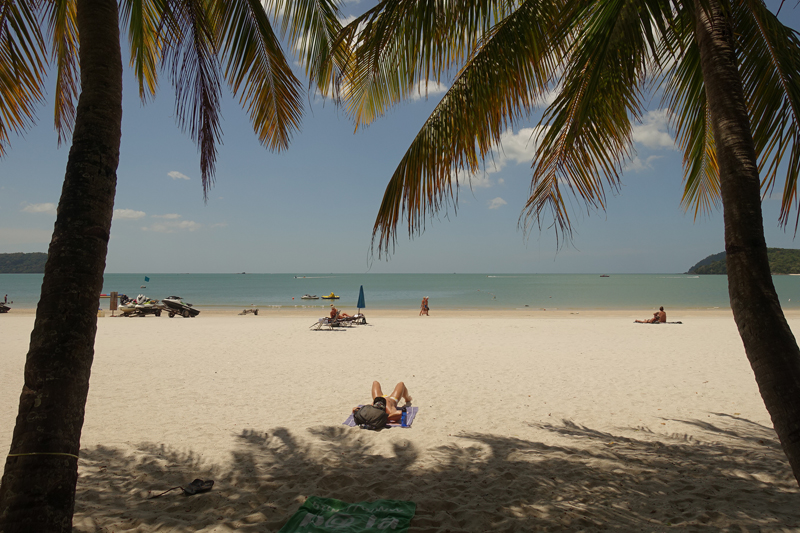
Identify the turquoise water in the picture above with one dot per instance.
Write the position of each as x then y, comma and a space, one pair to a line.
400, 291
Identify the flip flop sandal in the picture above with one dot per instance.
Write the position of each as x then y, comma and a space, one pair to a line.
197, 486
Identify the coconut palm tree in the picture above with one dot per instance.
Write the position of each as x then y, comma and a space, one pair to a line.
728, 69
200, 44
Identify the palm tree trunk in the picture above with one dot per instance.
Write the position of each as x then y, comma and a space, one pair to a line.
38, 486
768, 341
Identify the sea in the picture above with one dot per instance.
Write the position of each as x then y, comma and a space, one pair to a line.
405, 291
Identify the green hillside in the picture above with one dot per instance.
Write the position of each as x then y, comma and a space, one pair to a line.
20, 263
781, 261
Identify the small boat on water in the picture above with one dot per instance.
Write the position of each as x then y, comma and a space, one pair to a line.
604, 275
309, 297
331, 296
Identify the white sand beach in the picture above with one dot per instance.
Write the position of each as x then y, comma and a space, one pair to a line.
529, 421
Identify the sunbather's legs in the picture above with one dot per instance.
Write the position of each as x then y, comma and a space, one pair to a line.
400, 391
376, 390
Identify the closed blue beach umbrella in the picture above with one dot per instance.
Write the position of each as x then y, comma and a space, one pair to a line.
361, 305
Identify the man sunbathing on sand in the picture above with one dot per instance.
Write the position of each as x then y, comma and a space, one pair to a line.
400, 391
659, 317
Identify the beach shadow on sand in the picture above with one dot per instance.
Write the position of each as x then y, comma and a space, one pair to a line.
593, 481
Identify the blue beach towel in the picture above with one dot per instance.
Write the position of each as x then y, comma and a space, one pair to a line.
411, 413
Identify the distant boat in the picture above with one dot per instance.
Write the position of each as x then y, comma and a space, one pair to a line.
331, 296
604, 276
309, 297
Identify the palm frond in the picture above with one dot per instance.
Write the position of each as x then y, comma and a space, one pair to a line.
686, 98
587, 133
511, 68
23, 60
311, 27
397, 44
142, 19
190, 54
63, 30
769, 55
256, 69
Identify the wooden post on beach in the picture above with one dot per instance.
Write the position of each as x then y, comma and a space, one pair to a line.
113, 303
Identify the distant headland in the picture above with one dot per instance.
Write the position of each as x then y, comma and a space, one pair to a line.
781, 261
22, 263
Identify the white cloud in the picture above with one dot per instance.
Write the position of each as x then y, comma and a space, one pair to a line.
521, 146
48, 208
638, 165
496, 203
174, 174
170, 216
128, 214
427, 88
517, 147
171, 226
652, 132
551, 95
480, 180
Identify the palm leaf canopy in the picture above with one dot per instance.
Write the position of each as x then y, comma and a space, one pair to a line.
23, 63
605, 59
200, 43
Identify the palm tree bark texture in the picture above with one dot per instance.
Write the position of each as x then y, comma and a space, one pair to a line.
38, 485
768, 341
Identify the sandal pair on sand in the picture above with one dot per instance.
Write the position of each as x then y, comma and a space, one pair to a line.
195, 487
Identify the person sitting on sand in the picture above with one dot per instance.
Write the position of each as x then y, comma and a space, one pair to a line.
423, 308
659, 317
400, 391
336, 313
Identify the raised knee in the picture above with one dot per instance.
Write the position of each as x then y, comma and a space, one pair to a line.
401, 384
375, 383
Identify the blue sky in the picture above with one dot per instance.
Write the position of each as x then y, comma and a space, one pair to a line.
312, 207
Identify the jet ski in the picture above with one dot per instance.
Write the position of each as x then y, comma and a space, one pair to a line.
331, 296
176, 306
139, 306
309, 297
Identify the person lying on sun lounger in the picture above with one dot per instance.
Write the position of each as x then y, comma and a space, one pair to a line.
336, 313
389, 401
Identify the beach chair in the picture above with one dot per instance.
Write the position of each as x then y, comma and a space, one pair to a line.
358, 319
322, 323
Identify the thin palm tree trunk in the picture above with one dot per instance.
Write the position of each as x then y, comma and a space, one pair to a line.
768, 341
41, 470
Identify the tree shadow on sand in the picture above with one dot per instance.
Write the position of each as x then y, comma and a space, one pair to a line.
592, 481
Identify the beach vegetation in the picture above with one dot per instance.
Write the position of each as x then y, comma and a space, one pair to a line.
22, 263
781, 261
728, 71
200, 45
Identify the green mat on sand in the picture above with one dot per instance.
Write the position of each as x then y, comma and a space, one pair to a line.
327, 514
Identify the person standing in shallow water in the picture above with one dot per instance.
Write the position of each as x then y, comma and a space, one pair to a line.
423, 308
